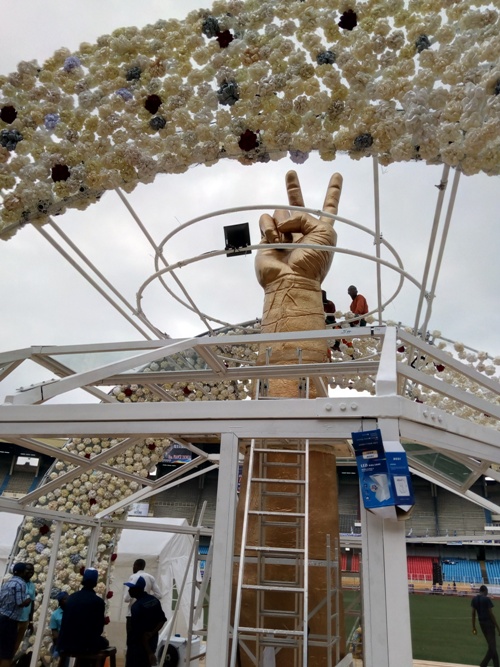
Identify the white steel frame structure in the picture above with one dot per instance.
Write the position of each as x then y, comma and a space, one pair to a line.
27, 419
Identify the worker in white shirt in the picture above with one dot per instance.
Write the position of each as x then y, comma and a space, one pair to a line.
151, 585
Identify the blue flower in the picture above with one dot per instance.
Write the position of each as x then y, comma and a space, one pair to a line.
228, 93
124, 93
71, 62
298, 157
210, 27
51, 120
326, 58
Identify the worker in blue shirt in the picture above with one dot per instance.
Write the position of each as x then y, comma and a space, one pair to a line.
25, 621
13, 599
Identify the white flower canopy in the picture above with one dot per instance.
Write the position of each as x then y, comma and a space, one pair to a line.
252, 81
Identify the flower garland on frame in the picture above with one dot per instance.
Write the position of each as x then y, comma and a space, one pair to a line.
252, 81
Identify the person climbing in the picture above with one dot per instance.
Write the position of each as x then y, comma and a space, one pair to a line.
359, 306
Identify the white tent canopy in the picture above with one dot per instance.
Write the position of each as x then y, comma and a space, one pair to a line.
9, 525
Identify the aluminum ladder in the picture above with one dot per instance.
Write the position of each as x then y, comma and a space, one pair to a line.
273, 564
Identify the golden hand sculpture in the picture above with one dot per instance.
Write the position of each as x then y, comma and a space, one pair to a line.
292, 277
298, 228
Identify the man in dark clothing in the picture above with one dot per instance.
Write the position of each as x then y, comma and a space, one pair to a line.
146, 620
83, 620
329, 308
482, 606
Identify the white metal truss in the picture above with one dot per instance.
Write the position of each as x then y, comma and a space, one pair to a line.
26, 419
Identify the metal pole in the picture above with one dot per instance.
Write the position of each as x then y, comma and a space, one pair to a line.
376, 195
196, 545
222, 570
40, 628
92, 547
329, 602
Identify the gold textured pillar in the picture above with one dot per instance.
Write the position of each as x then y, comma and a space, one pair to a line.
292, 285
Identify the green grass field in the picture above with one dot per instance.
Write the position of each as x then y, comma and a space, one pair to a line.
440, 626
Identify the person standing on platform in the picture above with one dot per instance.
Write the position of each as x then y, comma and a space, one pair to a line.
13, 599
151, 585
358, 306
146, 620
482, 607
329, 308
25, 621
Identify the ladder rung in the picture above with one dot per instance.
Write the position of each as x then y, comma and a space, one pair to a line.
280, 451
281, 494
266, 480
281, 524
276, 550
274, 642
301, 515
272, 631
280, 582
285, 589
278, 559
296, 465
276, 613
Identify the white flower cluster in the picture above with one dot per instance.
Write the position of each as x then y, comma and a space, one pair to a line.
481, 362
88, 494
224, 390
252, 81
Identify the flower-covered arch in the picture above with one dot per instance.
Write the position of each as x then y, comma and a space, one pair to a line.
252, 81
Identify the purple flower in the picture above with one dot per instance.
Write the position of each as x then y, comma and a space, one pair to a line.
39, 547
75, 558
51, 120
124, 93
71, 62
298, 157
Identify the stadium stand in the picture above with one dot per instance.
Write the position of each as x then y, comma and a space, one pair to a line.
493, 571
420, 567
463, 571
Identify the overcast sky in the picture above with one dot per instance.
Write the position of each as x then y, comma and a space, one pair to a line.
45, 301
